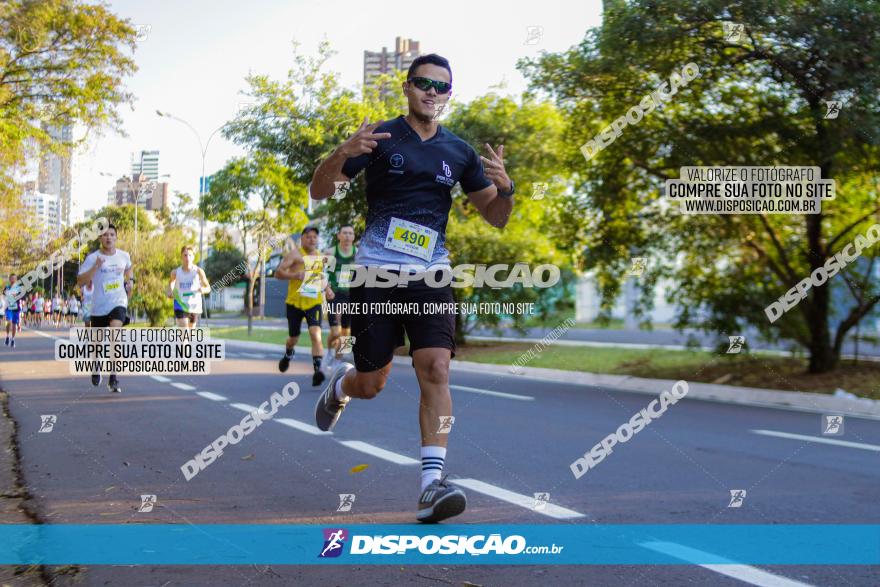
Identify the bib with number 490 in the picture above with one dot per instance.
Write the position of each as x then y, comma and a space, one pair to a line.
411, 239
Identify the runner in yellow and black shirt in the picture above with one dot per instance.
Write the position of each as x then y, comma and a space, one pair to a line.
304, 269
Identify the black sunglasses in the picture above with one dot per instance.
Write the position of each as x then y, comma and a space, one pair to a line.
426, 84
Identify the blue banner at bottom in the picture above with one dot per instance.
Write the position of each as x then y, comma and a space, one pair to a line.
224, 544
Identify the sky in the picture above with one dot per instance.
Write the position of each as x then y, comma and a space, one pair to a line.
196, 55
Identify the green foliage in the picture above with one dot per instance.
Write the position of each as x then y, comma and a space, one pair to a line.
222, 262
61, 62
155, 257
302, 118
759, 101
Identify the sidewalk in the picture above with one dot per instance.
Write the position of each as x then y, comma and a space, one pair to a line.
817, 403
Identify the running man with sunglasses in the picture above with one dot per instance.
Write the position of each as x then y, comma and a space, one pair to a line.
411, 164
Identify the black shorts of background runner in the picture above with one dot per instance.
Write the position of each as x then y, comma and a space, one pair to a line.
377, 335
333, 319
118, 313
295, 317
179, 314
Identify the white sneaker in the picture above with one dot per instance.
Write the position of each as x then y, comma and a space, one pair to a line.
328, 363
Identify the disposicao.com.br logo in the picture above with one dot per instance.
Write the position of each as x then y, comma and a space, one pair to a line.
476, 545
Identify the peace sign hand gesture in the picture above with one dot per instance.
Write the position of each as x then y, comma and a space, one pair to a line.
494, 168
364, 140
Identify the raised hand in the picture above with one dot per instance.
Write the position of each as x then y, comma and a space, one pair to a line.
494, 168
364, 140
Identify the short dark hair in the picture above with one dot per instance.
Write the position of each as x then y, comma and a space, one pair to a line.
346, 225
309, 229
430, 58
113, 226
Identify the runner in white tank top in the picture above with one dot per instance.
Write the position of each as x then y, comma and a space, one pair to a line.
188, 283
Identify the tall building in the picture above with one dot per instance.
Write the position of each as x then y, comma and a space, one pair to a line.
127, 191
145, 163
44, 209
379, 62
54, 175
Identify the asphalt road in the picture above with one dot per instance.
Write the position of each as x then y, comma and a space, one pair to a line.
106, 450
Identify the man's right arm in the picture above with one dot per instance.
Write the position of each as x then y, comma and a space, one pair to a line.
324, 179
285, 268
87, 271
362, 142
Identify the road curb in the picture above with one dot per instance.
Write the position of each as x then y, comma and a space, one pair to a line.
818, 403
804, 401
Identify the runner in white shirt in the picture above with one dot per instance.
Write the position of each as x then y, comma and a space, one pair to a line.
87, 291
110, 271
72, 310
39, 304
57, 307
188, 283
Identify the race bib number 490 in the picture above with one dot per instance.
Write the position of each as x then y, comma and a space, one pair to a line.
411, 239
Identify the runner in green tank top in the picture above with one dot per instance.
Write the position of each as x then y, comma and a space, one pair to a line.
344, 253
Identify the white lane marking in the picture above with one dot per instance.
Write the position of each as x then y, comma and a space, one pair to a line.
526, 398
160, 379
526, 501
45, 334
183, 386
303, 427
245, 407
213, 396
818, 439
253, 355
380, 453
745, 573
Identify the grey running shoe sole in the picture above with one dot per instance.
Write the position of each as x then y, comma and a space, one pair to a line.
328, 409
451, 503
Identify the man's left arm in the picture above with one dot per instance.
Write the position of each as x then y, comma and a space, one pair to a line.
203, 281
129, 279
489, 201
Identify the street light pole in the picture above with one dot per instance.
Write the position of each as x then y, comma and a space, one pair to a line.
203, 150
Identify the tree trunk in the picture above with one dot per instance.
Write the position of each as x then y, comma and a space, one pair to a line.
823, 357
250, 305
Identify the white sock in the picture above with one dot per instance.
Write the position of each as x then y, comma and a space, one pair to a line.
337, 391
433, 459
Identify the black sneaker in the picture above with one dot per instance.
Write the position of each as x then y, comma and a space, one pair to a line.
7, 341
329, 409
96, 379
318, 378
113, 384
284, 363
440, 500
12, 343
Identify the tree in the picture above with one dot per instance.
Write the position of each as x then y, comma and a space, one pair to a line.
301, 120
17, 233
61, 62
758, 101
183, 211
539, 231
278, 206
223, 262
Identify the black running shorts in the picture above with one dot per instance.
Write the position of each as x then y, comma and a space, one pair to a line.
118, 313
343, 318
378, 334
295, 317
178, 314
